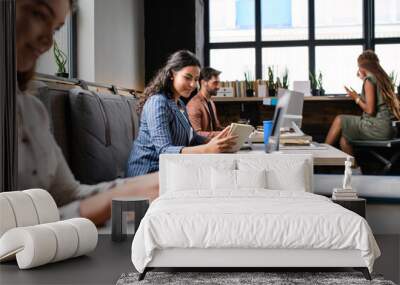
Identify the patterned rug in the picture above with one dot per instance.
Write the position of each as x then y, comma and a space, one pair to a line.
243, 278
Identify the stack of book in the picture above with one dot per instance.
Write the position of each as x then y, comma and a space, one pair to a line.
344, 194
238, 88
289, 140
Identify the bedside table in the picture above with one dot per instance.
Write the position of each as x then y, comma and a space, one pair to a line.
119, 209
355, 205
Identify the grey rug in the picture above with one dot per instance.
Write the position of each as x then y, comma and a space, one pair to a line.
243, 278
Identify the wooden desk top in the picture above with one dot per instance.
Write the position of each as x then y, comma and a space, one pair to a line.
260, 99
330, 156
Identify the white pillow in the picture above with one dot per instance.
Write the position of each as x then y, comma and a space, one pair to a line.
293, 180
230, 180
223, 179
251, 178
281, 174
192, 176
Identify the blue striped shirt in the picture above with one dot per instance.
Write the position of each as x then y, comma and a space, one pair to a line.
163, 129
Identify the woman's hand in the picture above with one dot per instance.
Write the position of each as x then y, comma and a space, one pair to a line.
351, 93
223, 142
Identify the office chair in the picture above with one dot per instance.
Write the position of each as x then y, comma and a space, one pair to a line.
386, 152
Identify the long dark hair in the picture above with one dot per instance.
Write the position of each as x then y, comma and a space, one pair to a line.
161, 82
370, 61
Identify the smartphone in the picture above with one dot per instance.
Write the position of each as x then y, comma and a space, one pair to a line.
349, 89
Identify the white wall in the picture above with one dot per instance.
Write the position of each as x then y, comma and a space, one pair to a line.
85, 38
111, 42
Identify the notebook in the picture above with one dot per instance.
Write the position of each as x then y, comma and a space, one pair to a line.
243, 132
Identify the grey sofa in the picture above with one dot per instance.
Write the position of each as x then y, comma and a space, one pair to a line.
94, 130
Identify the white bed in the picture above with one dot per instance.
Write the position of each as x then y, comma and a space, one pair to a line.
200, 220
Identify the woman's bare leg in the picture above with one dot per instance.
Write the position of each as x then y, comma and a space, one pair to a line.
334, 132
346, 146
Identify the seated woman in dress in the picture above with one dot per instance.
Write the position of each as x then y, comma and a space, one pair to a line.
41, 162
378, 102
164, 124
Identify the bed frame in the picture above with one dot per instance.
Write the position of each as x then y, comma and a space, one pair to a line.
256, 258
249, 258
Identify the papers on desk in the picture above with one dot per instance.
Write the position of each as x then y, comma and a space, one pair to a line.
256, 137
311, 146
286, 139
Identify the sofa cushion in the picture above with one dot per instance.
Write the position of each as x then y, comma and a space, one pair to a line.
103, 126
56, 100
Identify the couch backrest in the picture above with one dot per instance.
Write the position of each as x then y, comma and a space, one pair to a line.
284, 171
55, 97
95, 131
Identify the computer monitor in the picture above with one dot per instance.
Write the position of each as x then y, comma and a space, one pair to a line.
294, 113
279, 115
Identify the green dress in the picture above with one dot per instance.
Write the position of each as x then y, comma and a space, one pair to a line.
369, 127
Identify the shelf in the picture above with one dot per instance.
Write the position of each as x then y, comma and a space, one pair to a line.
260, 99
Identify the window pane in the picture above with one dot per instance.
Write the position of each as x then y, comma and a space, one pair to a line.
295, 59
338, 65
387, 18
338, 19
284, 20
389, 57
233, 63
232, 20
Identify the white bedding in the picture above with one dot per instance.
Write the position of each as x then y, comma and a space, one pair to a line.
251, 219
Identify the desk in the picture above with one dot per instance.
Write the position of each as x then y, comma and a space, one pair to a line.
330, 156
104, 265
318, 112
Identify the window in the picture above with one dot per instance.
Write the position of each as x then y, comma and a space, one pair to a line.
233, 63
232, 20
387, 19
342, 71
389, 57
294, 59
284, 20
338, 19
303, 35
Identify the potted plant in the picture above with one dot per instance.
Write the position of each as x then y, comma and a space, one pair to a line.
393, 80
278, 84
313, 84
249, 85
271, 84
285, 79
321, 90
61, 61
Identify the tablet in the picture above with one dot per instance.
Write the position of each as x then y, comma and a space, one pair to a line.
243, 132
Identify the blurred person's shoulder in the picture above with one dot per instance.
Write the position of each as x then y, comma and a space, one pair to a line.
30, 106
196, 99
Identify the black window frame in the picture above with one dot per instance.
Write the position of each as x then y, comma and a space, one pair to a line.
367, 42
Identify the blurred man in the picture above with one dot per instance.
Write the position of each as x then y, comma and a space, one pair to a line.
201, 110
